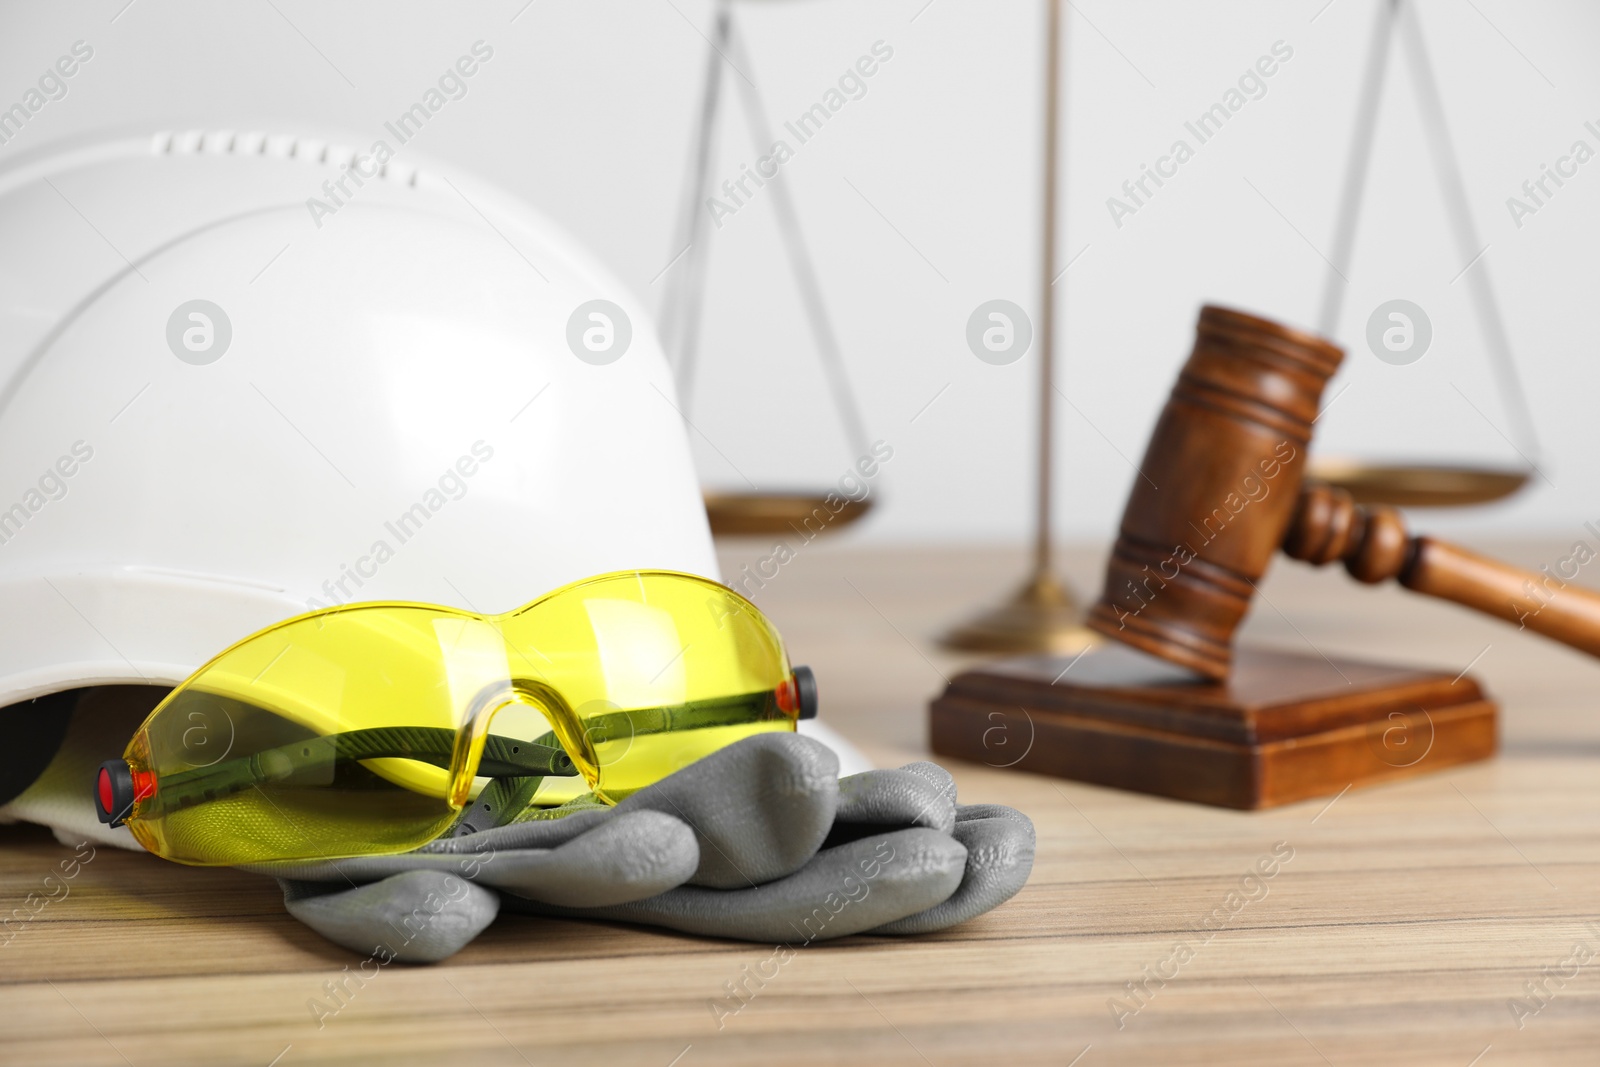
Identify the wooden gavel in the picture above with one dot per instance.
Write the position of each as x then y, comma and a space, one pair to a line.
1222, 488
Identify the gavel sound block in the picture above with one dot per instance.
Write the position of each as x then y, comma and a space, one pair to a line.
1218, 494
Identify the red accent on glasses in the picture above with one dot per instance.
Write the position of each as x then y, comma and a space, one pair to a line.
144, 785
103, 790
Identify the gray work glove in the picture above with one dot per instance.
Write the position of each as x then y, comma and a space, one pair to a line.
760, 841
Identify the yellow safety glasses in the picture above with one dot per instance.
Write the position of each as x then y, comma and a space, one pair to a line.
370, 729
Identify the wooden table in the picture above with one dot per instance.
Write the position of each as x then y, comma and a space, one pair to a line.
1408, 920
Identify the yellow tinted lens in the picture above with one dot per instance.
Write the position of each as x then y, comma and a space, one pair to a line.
655, 670
365, 730
329, 735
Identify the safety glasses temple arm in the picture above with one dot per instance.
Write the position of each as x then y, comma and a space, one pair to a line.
700, 714
502, 758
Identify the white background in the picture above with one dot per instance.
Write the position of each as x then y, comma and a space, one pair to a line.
920, 201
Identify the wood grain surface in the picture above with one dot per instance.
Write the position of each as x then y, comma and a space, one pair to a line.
1404, 925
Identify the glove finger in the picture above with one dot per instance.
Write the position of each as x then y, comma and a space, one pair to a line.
904, 797
934, 775
609, 860
415, 917
841, 891
635, 855
1000, 844
760, 808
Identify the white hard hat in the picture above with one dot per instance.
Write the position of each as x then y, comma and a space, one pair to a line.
240, 382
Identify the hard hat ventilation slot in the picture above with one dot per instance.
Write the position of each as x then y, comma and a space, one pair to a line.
280, 146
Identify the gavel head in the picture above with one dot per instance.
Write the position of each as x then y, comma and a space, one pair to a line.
1216, 491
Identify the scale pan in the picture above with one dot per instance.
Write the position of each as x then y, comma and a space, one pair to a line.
762, 514
1419, 485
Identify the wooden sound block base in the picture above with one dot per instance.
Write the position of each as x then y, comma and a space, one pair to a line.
1284, 727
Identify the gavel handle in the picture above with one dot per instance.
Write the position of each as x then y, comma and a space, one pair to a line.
1374, 545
